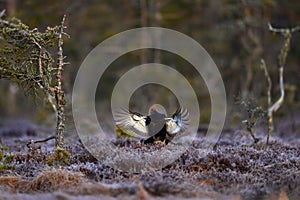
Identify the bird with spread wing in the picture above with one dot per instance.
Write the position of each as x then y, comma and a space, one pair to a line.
155, 126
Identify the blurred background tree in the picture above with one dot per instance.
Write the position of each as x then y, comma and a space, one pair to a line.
234, 32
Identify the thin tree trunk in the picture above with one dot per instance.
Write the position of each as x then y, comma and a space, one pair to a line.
59, 94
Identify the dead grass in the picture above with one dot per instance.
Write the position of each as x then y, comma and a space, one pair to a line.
55, 179
142, 193
11, 182
47, 181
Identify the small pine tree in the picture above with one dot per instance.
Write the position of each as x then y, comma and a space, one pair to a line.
26, 59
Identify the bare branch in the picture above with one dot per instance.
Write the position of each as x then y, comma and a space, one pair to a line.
279, 102
270, 112
39, 141
287, 33
283, 30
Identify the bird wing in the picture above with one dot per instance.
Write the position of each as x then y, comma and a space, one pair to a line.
132, 123
178, 122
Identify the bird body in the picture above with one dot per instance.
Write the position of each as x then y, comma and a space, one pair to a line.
153, 127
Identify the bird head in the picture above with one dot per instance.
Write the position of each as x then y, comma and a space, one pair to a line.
152, 110
157, 109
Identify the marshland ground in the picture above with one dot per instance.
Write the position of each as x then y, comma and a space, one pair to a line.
234, 169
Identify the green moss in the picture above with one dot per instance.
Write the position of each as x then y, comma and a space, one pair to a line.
3, 148
59, 157
5, 159
9, 158
3, 166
